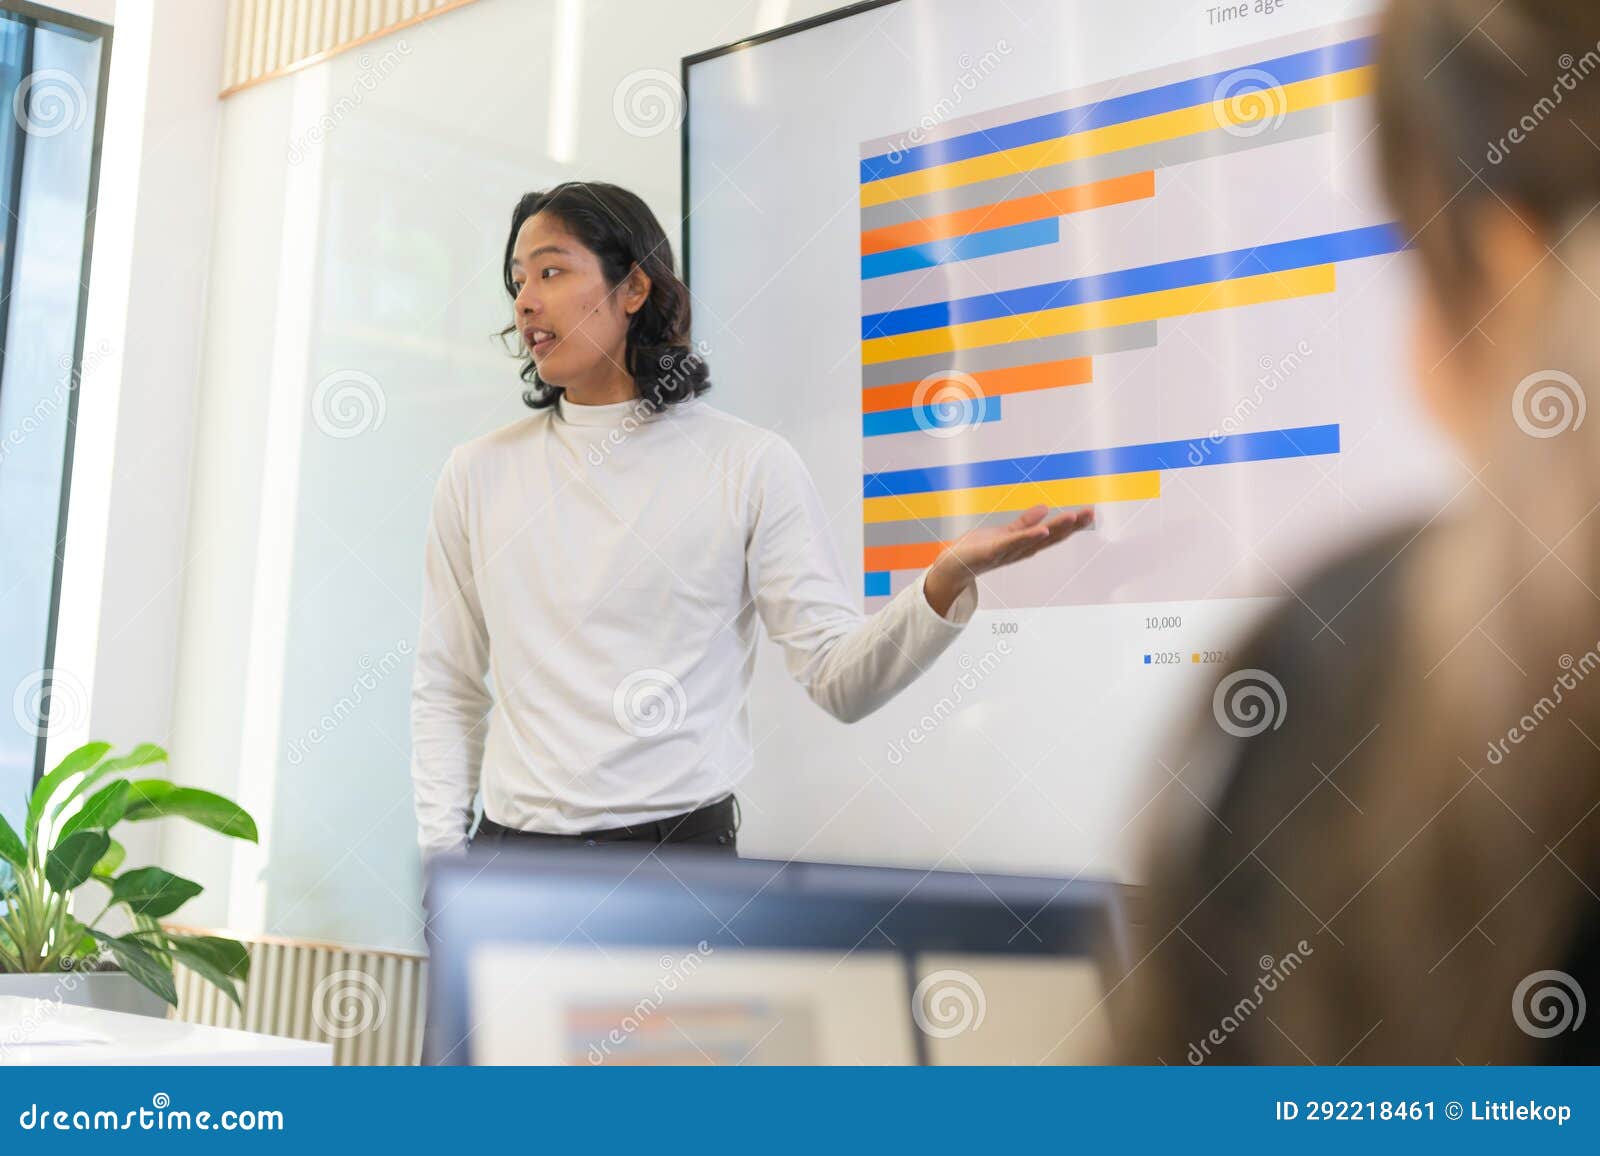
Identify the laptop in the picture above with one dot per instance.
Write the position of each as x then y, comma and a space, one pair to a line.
623, 957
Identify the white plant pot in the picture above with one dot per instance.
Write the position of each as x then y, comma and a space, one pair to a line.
106, 990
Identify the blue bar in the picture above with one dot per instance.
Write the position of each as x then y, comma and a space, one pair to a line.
1118, 110
1006, 239
877, 584
1327, 249
1304, 442
963, 412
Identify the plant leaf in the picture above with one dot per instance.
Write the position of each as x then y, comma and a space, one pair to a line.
8, 955
152, 891
12, 849
83, 944
146, 966
72, 860
141, 756
157, 798
110, 861
229, 956
104, 809
80, 760
205, 959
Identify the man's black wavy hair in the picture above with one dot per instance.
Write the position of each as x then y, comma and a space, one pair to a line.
619, 229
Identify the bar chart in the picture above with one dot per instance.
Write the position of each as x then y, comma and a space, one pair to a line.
970, 258
1135, 297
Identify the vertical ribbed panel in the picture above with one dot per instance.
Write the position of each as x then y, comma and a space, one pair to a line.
265, 38
368, 1004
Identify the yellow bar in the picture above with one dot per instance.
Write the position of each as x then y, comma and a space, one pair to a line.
1319, 90
1257, 290
1019, 496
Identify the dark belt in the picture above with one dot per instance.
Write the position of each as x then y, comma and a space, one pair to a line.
715, 824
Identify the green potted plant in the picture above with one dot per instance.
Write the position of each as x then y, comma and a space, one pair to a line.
62, 849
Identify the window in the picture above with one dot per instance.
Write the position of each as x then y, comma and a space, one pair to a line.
52, 74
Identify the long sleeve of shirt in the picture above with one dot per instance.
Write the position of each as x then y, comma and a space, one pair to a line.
849, 664
605, 575
450, 698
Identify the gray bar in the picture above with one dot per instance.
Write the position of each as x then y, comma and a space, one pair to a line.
1181, 150
942, 529
1118, 339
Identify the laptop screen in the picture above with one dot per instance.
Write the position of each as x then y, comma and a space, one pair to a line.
579, 960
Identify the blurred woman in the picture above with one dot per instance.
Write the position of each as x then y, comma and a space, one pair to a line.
1398, 859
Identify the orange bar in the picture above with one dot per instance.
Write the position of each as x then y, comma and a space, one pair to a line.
1057, 203
911, 556
991, 383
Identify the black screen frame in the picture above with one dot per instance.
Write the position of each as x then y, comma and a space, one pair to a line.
688, 62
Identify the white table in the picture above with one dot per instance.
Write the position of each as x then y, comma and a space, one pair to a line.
39, 1031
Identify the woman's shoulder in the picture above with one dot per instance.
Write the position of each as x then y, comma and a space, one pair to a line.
1321, 662
1299, 693
1344, 610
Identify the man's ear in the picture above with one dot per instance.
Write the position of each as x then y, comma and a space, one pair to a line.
637, 290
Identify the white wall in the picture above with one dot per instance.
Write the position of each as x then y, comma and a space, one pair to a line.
101, 10
124, 572
361, 208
